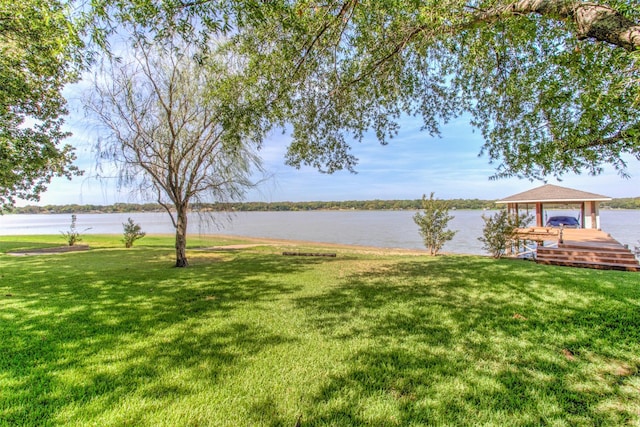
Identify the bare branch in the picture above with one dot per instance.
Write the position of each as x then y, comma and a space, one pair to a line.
169, 128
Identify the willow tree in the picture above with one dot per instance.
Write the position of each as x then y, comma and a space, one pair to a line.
175, 123
40, 52
553, 85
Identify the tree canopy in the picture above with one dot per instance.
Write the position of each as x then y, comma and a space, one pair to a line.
39, 55
552, 85
547, 88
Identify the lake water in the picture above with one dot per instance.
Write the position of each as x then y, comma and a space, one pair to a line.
385, 229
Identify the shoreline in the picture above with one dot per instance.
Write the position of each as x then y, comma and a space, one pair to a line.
391, 232
247, 242
258, 241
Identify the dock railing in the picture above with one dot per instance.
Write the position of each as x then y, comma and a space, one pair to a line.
527, 239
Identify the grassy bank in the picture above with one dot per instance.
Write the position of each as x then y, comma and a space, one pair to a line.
249, 337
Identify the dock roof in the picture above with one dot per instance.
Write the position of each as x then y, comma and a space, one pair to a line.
550, 193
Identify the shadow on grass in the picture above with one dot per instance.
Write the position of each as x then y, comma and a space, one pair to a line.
79, 333
464, 341
450, 340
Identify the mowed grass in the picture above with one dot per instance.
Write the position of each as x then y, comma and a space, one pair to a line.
117, 337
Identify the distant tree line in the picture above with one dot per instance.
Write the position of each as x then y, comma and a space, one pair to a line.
622, 203
348, 205
75, 208
255, 206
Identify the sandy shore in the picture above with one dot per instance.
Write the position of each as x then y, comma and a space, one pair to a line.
261, 241
252, 242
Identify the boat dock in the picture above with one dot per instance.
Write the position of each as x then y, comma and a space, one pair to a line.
587, 248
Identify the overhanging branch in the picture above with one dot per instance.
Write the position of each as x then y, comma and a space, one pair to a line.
596, 21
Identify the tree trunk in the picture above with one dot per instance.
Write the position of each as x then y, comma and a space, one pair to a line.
597, 21
181, 238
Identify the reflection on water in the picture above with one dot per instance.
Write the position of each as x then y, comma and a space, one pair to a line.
388, 229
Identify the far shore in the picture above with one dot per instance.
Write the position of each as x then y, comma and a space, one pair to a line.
289, 206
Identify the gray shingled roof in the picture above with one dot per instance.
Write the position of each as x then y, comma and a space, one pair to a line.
553, 193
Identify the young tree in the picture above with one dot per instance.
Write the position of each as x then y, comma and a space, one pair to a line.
72, 236
131, 232
40, 52
178, 127
498, 232
433, 222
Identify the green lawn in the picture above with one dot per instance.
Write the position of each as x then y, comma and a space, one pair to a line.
249, 337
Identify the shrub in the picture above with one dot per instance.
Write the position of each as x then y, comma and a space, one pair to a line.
498, 231
73, 235
433, 224
132, 232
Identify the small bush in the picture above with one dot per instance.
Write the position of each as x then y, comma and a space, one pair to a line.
433, 224
73, 235
498, 231
132, 232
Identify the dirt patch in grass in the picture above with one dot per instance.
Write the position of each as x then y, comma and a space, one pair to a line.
52, 250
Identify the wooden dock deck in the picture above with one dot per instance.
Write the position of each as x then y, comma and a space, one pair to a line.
580, 247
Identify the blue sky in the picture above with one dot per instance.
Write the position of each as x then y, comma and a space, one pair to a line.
413, 164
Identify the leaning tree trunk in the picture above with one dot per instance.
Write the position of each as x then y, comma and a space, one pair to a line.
181, 238
598, 21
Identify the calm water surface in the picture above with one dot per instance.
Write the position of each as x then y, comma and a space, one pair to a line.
385, 229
